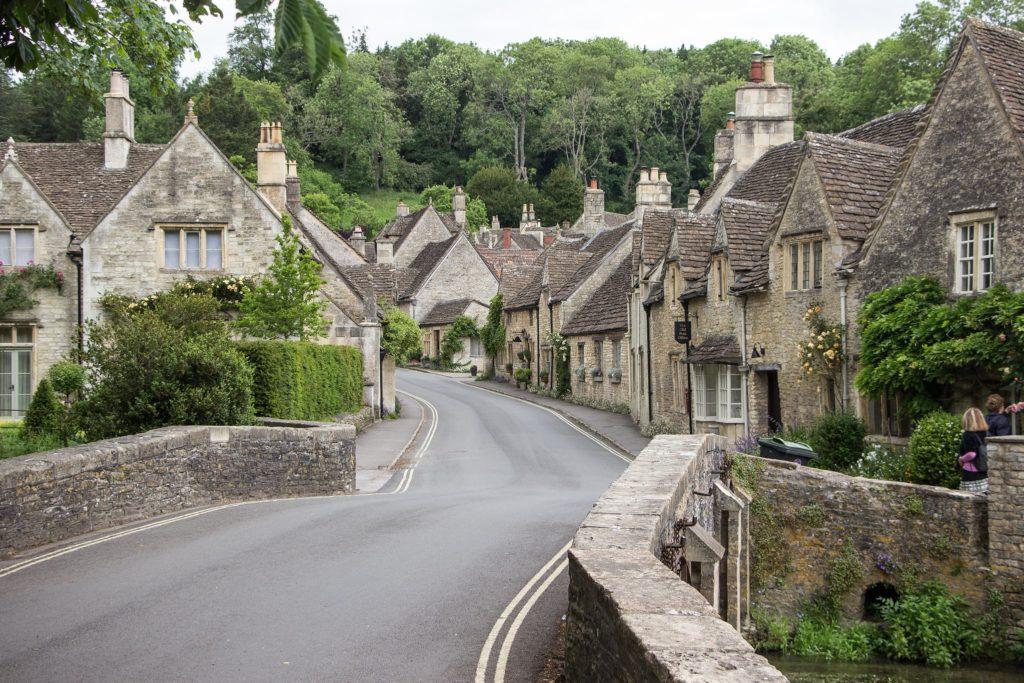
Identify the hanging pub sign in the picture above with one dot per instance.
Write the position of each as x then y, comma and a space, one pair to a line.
683, 331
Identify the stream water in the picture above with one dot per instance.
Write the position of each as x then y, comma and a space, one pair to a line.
810, 670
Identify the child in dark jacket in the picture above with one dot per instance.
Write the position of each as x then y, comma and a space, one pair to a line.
973, 453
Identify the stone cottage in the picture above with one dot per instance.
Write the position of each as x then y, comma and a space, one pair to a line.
121, 217
439, 320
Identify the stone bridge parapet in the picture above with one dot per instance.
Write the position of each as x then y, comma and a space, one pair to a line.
53, 496
631, 617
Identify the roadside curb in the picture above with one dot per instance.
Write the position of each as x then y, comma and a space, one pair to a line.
415, 434
571, 418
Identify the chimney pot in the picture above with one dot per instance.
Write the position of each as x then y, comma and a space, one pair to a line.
730, 122
358, 241
692, 199
401, 210
593, 184
768, 64
756, 68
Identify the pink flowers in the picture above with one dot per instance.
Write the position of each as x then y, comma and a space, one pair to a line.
1015, 407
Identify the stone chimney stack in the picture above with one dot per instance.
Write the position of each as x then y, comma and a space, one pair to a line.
764, 114
692, 199
459, 207
358, 241
386, 252
653, 191
725, 145
593, 209
272, 165
402, 209
495, 225
293, 192
119, 122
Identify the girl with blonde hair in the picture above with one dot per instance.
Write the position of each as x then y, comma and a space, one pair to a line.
973, 453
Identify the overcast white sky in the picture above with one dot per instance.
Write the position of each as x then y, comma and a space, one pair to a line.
837, 25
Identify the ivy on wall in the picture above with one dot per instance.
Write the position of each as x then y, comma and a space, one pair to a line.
17, 283
917, 343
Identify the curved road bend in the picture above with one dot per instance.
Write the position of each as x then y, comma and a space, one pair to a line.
401, 587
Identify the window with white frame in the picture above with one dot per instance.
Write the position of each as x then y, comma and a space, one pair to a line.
16, 350
976, 255
804, 265
193, 248
17, 245
719, 392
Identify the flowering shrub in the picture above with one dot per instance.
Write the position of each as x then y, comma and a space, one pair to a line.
228, 290
18, 282
822, 354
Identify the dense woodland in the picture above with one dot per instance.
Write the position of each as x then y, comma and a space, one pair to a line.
431, 111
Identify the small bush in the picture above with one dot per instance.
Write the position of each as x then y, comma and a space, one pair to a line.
304, 381
401, 339
932, 450
45, 413
883, 462
928, 625
830, 641
522, 376
838, 439
67, 379
773, 631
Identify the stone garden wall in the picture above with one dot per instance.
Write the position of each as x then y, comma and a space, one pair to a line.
1006, 522
631, 617
52, 496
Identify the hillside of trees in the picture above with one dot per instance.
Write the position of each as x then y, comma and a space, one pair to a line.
433, 112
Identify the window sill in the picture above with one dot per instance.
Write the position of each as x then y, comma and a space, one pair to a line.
720, 420
193, 270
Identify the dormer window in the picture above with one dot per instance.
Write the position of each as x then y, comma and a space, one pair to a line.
804, 265
975, 255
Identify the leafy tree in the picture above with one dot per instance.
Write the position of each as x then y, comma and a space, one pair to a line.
323, 207
45, 412
463, 327
172, 363
79, 34
286, 304
561, 196
932, 450
501, 193
402, 339
250, 46
67, 379
492, 334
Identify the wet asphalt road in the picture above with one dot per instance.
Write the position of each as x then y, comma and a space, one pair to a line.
398, 587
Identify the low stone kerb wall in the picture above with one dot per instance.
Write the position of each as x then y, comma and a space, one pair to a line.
52, 496
631, 618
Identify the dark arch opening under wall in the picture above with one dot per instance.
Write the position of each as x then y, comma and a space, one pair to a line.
874, 594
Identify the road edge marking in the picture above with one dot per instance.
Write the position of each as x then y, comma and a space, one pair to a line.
614, 450
510, 637
485, 653
407, 474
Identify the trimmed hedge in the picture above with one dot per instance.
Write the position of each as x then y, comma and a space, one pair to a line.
304, 381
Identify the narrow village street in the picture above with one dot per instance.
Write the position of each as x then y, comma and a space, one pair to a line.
403, 585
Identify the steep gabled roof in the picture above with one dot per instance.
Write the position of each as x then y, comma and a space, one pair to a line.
897, 129
656, 232
855, 177
376, 280
694, 233
446, 312
1002, 50
606, 309
514, 280
769, 179
597, 247
399, 228
746, 225
72, 176
412, 278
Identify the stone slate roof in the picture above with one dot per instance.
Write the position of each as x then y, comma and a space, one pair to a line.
1002, 50
606, 309
746, 225
614, 220
374, 280
528, 292
72, 177
855, 177
897, 129
401, 226
448, 218
410, 279
715, 349
598, 247
500, 259
656, 234
769, 179
446, 312
513, 280
657, 294
694, 233
326, 239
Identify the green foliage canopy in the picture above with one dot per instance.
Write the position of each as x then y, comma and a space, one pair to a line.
402, 339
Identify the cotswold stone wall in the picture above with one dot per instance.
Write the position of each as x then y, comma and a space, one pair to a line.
806, 521
1006, 522
631, 618
48, 497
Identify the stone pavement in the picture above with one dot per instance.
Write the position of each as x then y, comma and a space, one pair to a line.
381, 444
618, 429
